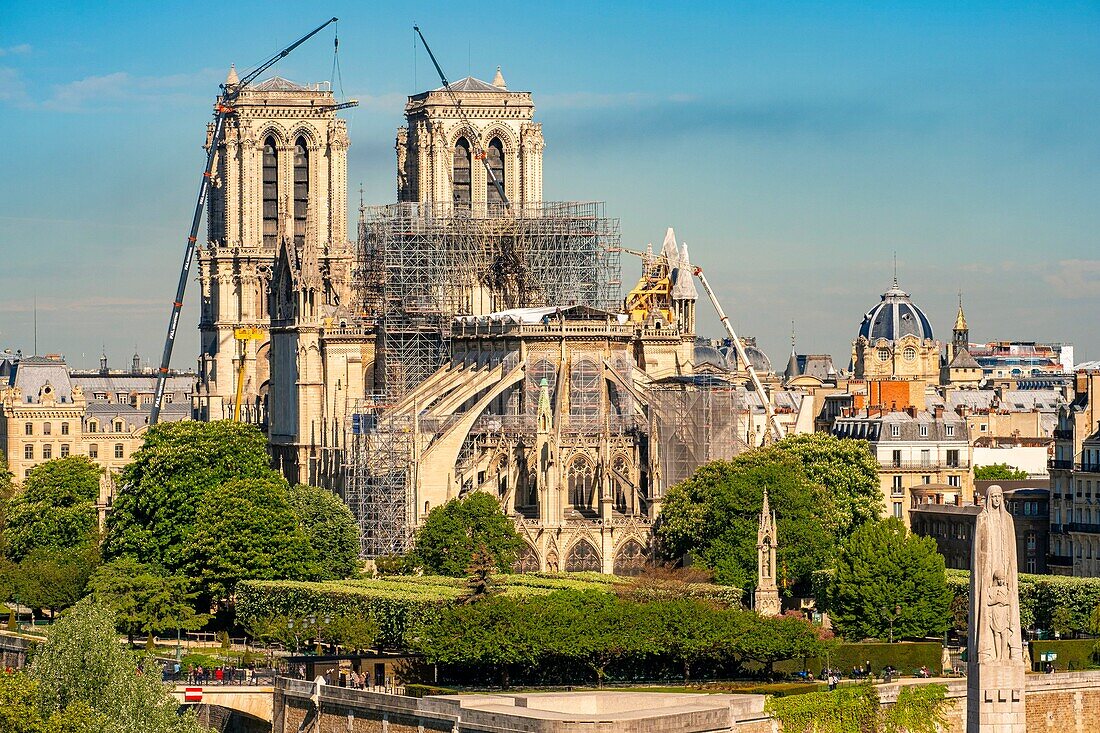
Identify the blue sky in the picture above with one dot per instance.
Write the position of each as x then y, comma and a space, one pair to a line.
794, 146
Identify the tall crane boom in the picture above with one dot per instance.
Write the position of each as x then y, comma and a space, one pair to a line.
773, 425
479, 152
222, 109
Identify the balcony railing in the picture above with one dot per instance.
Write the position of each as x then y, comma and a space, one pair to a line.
921, 465
1060, 464
1082, 527
1089, 467
1063, 434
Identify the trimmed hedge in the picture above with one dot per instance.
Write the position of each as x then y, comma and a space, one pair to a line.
1073, 654
1040, 596
395, 601
906, 657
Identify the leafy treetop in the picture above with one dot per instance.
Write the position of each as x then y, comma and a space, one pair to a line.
56, 509
998, 472
446, 542
887, 578
167, 478
330, 527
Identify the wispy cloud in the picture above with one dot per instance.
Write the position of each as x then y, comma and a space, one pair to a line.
16, 50
107, 91
1076, 279
92, 304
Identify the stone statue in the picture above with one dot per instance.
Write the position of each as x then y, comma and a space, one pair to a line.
995, 675
993, 583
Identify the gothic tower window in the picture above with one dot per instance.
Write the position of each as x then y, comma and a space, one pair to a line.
495, 157
301, 190
270, 193
582, 482
461, 175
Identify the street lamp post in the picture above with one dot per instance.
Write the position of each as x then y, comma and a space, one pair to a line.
893, 618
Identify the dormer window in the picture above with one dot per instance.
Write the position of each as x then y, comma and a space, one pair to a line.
924, 431
895, 431
118, 426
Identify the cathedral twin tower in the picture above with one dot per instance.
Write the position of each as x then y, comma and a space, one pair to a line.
278, 263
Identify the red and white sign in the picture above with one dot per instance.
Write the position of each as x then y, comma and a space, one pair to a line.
192, 694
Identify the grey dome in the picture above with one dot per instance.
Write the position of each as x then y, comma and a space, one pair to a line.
894, 317
709, 356
759, 360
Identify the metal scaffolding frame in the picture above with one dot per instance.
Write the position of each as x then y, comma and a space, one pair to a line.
380, 470
699, 419
420, 265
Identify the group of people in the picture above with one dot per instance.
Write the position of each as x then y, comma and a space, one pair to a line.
342, 678
221, 675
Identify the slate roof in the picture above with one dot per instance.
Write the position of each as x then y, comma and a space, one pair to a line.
470, 84
895, 316
32, 373
278, 84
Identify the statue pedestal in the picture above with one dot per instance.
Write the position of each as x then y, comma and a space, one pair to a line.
767, 602
995, 698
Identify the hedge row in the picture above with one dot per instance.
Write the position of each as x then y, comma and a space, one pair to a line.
397, 600
1040, 596
1073, 654
906, 657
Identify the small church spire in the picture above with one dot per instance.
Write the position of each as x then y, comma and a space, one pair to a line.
766, 597
498, 81
960, 319
232, 78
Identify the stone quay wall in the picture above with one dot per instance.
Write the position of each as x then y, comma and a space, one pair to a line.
1059, 703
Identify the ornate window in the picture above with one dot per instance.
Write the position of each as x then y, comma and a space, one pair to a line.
301, 190
583, 558
527, 561
883, 354
582, 482
460, 177
270, 193
494, 156
630, 559
93, 426
909, 353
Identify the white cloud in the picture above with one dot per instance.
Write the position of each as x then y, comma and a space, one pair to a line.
16, 50
12, 88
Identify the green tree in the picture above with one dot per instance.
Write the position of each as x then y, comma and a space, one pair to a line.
998, 472
846, 468
20, 713
166, 480
144, 601
331, 529
499, 633
713, 517
693, 632
56, 509
54, 580
446, 542
889, 580
245, 529
354, 632
771, 640
82, 667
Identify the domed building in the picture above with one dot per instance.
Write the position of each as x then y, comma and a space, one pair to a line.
896, 341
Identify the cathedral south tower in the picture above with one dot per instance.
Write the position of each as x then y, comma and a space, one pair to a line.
437, 151
280, 179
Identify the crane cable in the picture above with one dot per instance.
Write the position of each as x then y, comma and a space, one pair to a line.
336, 78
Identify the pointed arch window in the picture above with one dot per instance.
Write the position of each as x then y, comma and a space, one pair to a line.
582, 483
495, 157
270, 193
301, 190
461, 173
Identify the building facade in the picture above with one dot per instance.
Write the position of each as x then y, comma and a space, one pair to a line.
895, 340
1074, 487
49, 411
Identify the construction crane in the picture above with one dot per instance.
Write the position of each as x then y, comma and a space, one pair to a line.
243, 336
223, 108
479, 152
776, 430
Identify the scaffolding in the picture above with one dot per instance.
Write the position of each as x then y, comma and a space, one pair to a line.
698, 419
420, 265
379, 475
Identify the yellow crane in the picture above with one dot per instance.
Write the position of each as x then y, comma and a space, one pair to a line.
655, 288
243, 336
